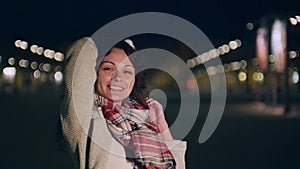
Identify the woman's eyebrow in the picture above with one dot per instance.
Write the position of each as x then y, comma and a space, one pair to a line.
114, 63
107, 62
129, 66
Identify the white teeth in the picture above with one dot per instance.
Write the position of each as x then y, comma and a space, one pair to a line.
116, 88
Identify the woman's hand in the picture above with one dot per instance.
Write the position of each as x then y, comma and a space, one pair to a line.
156, 115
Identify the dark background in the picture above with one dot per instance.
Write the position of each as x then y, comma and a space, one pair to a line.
58, 23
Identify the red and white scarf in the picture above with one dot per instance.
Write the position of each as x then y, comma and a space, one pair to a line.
141, 140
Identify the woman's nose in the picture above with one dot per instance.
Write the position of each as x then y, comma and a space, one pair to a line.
117, 76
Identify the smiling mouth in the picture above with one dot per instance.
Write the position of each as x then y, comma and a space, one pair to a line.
115, 88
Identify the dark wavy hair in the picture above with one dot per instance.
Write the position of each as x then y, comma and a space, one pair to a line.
140, 89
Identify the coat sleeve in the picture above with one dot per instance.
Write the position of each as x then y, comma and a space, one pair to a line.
178, 149
76, 109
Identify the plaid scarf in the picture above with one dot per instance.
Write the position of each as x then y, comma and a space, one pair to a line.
143, 145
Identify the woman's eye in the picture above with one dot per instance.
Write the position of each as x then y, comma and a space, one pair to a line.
107, 68
128, 72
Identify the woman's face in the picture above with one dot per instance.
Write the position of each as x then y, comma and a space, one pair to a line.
116, 76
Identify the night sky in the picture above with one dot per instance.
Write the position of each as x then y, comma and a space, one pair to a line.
56, 24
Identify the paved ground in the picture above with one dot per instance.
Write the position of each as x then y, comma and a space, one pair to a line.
250, 135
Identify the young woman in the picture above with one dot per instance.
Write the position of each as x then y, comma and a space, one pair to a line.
136, 125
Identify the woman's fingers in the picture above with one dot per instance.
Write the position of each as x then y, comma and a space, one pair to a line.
156, 110
152, 102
